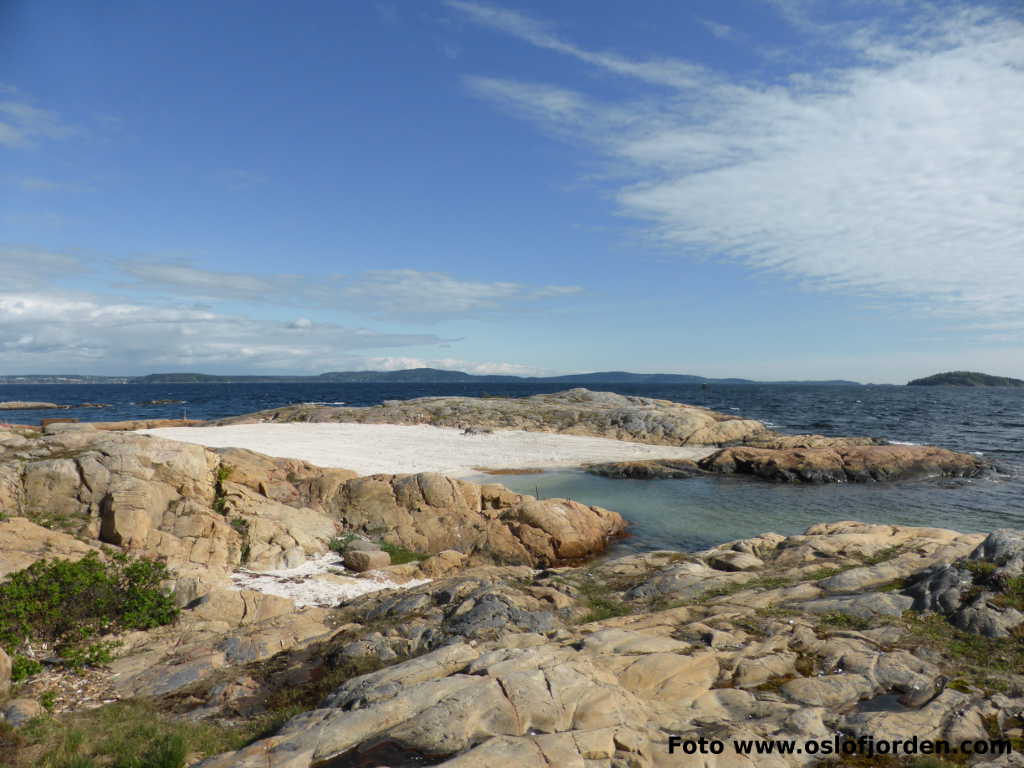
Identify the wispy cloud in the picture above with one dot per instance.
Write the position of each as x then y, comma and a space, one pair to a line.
719, 30
25, 268
900, 173
37, 184
409, 292
402, 293
667, 71
22, 123
212, 284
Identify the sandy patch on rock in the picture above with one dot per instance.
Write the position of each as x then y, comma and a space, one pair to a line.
391, 448
320, 581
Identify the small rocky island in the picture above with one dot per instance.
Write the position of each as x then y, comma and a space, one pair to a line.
306, 617
965, 379
734, 445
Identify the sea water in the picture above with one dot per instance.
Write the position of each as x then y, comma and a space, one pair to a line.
697, 512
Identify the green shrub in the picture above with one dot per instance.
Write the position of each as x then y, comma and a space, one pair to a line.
48, 700
220, 496
401, 556
23, 667
845, 621
340, 543
87, 655
69, 604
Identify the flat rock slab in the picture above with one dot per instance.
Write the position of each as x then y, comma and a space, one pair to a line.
843, 463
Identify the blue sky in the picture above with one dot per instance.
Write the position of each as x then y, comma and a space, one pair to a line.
772, 189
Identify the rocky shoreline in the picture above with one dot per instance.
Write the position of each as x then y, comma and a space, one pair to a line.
809, 459
494, 638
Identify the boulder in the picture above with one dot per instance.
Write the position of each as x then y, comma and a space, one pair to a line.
360, 560
443, 563
830, 691
160, 498
22, 542
429, 512
977, 594
5, 674
734, 561
361, 545
287, 481
19, 712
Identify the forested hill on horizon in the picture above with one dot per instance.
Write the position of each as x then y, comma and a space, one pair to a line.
409, 376
965, 379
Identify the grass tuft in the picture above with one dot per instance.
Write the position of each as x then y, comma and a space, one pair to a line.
121, 735
401, 556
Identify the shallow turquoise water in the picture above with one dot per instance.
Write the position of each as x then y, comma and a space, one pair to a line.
700, 512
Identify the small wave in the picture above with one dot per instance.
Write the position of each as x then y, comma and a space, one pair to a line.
901, 442
317, 402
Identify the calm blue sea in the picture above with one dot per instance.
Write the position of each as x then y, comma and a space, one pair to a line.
699, 512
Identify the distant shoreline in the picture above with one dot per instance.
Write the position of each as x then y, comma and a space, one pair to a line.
408, 376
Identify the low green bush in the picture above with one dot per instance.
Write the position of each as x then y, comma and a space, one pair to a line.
68, 605
23, 667
340, 543
220, 496
401, 556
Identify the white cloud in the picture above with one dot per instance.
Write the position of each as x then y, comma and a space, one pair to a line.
452, 364
21, 123
83, 332
170, 321
41, 323
899, 174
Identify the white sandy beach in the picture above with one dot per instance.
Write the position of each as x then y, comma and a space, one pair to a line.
390, 448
